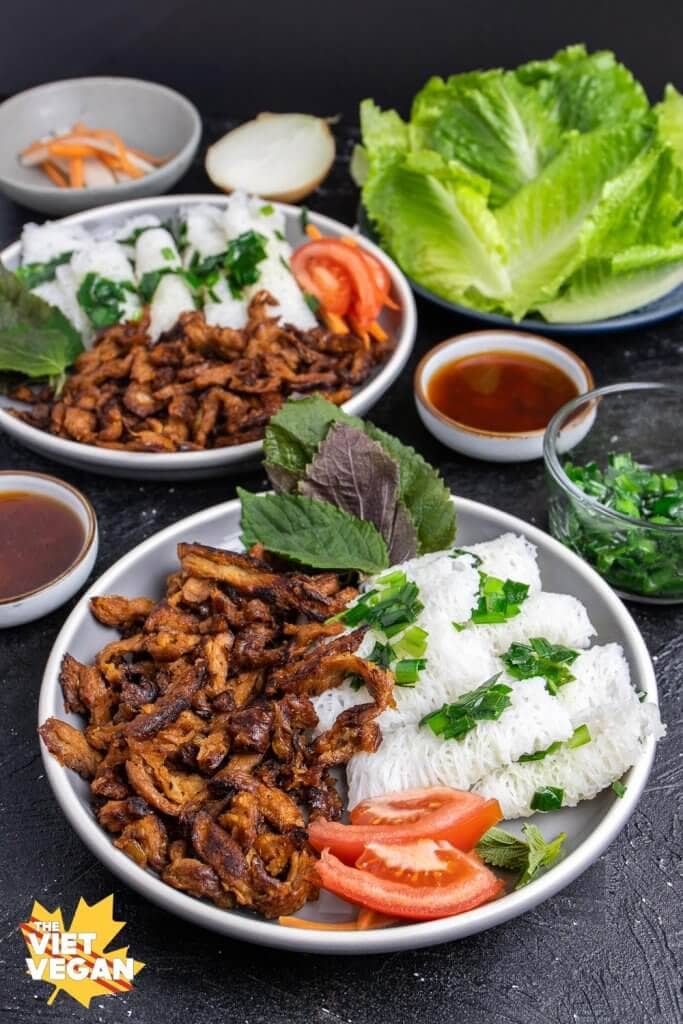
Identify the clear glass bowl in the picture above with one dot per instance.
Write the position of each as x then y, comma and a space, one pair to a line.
643, 561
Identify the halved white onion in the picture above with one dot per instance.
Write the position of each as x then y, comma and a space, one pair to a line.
277, 156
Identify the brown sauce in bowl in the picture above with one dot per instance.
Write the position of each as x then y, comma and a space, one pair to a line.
39, 539
503, 392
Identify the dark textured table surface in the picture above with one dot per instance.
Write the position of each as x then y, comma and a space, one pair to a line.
607, 949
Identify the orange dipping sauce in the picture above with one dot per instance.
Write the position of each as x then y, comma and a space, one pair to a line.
503, 392
39, 539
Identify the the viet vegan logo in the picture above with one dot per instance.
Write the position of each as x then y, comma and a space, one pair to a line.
76, 960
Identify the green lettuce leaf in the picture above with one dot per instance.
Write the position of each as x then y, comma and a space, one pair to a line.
311, 532
438, 226
35, 337
670, 121
596, 292
492, 123
586, 91
549, 224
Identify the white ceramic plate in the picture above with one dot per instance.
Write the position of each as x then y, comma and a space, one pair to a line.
590, 827
400, 324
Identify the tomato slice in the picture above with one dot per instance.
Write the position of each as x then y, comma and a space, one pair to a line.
332, 286
399, 880
349, 260
431, 813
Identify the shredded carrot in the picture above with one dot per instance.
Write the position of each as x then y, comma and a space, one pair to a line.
360, 332
76, 172
373, 919
70, 149
313, 232
322, 926
334, 323
376, 332
54, 174
349, 240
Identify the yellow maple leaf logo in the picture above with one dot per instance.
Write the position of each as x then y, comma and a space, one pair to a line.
75, 960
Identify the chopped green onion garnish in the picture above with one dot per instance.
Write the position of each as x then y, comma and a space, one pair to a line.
540, 658
499, 600
267, 210
547, 798
486, 703
407, 671
458, 552
303, 218
312, 302
579, 737
619, 788
398, 577
413, 643
540, 754
168, 253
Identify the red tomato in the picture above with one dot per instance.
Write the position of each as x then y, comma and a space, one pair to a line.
434, 813
349, 261
380, 276
421, 881
332, 286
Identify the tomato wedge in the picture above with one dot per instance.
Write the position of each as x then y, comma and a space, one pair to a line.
364, 301
430, 813
420, 881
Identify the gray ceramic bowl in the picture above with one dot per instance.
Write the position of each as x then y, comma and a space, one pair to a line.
146, 115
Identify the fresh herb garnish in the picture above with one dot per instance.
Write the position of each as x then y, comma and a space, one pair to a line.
486, 703
503, 850
413, 643
633, 558
312, 302
547, 798
267, 210
619, 788
285, 264
541, 658
102, 300
295, 434
499, 600
408, 670
381, 655
303, 218
311, 532
168, 253
241, 261
279, 235
389, 609
35, 337
33, 274
135, 234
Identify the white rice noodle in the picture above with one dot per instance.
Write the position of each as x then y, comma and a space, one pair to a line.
268, 220
227, 311
511, 557
171, 298
205, 232
277, 278
41, 243
155, 249
237, 216
618, 733
129, 227
601, 677
413, 756
559, 618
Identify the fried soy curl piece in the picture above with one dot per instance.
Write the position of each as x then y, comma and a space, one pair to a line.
199, 387
198, 721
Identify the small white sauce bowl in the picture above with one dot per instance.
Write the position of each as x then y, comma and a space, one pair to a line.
491, 445
14, 611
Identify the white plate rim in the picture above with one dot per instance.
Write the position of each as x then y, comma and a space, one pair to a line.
411, 936
103, 459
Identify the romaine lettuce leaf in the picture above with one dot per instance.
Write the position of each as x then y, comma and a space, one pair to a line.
670, 121
596, 292
549, 224
492, 123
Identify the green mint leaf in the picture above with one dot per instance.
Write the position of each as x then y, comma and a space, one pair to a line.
529, 855
35, 337
311, 532
547, 798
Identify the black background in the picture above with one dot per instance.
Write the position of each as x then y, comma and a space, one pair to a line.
237, 57
607, 950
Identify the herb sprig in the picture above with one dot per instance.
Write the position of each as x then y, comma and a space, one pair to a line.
34, 274
529, 856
